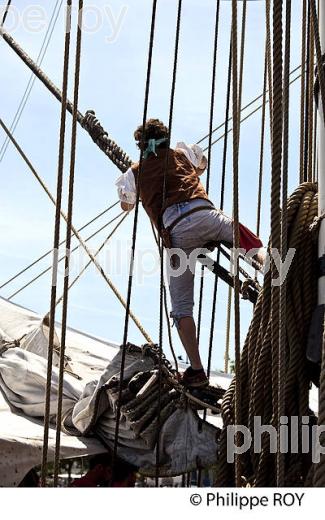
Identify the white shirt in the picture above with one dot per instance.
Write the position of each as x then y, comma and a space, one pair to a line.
126, 187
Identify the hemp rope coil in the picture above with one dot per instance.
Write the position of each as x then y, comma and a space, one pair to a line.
259, 469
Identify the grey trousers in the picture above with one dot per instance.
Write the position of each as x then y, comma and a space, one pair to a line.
188, 239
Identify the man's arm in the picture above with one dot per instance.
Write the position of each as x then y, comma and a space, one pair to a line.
126, 190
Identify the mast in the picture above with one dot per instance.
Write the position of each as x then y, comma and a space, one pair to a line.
321, 169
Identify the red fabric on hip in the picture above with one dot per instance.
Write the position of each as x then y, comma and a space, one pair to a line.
247, 239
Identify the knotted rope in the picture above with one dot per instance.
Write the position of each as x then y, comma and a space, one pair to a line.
118, 157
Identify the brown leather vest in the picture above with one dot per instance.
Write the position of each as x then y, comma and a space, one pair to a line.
182, 182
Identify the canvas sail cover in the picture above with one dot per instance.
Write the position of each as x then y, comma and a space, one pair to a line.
89, 403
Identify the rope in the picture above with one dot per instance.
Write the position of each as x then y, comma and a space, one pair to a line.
269, 58
319, 472
247, 117
311, 105
221, 207
134, 235
82, 243
31, 81
307, 95
5, 13
62, 258
166, 307
170, 124
261, 165
242, 55
68, 243
228, 324
245, 107
106, 144
284, 247
213, 90
303, 85
75, 280
277, 142
223, 177
90, 122
44, 255
235, 144
56, 241
212, 102
256, 385
315, 173
320, 68
118, 157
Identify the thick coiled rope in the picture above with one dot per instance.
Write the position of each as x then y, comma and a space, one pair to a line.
118, 157
259, 469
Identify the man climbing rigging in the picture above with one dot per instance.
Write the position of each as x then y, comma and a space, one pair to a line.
176, 202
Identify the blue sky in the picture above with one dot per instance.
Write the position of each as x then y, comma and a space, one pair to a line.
112, 83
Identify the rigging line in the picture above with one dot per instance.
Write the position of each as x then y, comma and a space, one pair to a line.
242, 56
6, 13
284, 245
315, 147
124, 215
105, 143
269, 59
248, 116
261, 163
110, 148
170, 123
223, 180
320, 68
44, 255
224, 167
65, 299
236, 119
244, 108
56, 240
213, 89
32, 79
216, 280
224, 164
212, 103
262, 146
134, 236
319, 473
62, 258
276, 178
228, 323
166, 307
82, 243
311, 104
302, 89
307, 96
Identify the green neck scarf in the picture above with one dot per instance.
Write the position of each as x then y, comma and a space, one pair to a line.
151, 148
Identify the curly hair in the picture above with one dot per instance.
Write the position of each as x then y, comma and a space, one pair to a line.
153, 129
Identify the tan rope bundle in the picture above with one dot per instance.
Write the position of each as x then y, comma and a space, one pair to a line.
257, 363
